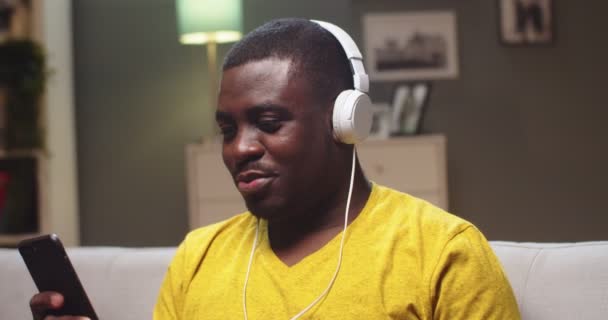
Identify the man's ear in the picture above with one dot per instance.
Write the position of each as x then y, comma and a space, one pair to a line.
328, 119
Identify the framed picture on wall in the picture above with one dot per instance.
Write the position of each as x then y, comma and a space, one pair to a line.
526, 22
411, 45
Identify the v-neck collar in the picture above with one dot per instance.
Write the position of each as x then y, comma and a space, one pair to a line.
327, 252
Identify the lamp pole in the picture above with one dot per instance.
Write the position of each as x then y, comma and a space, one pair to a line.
209, 22
212, 69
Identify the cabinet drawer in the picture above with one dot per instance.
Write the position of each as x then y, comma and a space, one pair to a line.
207, 173
405, 166
210, 211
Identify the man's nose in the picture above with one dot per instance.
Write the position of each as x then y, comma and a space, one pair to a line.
247, 146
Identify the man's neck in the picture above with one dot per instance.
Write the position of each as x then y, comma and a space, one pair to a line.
294, 239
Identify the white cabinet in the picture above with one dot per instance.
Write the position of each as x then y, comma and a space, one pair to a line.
416, 165
212, 196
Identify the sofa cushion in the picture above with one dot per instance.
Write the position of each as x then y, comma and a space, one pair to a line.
551, 281
559, 280
122, 283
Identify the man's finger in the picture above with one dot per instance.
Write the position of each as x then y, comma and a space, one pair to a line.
44, 301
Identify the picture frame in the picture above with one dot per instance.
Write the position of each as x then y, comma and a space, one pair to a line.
411, 46
526, 22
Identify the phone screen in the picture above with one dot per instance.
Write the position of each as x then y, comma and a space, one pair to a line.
51, 270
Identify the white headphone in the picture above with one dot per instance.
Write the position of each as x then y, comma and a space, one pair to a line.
352, 115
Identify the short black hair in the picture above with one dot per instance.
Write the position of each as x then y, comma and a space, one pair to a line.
314, 52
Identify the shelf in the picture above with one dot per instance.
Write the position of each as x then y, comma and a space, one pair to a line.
35, 153
11, 241
24, 197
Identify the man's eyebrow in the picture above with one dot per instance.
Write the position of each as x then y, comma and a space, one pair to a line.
254, 111
269, 107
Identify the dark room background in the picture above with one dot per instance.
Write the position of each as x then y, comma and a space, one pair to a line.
525, 126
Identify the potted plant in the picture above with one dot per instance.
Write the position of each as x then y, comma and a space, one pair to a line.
22, 82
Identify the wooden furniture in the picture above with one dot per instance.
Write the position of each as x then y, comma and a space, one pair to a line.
23, 191
51, 26
416, 165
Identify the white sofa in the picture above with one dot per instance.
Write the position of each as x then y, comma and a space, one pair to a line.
551, 281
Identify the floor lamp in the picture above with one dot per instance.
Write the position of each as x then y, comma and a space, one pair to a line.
209, 22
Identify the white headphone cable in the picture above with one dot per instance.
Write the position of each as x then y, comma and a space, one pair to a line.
335, 276
255, 244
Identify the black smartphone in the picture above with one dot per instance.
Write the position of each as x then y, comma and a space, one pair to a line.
51, 270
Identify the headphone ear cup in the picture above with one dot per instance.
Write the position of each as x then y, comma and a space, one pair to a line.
352, 116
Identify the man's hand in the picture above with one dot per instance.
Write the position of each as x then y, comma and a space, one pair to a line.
42, 302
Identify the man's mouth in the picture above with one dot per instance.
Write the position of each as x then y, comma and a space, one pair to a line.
251, 181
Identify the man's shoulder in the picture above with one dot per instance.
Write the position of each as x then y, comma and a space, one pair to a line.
199, 243
417, 214
416, 225
231, 226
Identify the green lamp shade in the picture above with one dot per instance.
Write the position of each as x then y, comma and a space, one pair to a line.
202, 21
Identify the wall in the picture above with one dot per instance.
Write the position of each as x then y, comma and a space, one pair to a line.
59, 213
527, 146
527, 143
140, 97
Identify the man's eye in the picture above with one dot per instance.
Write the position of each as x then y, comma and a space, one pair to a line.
269, 125
227, 130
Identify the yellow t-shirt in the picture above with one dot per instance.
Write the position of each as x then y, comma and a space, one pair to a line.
403, 259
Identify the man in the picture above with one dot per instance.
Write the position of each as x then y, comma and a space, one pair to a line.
290, 255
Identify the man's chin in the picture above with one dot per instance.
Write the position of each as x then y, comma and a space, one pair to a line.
265, 209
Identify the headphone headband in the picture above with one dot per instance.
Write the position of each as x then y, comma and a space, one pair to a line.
360, 78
